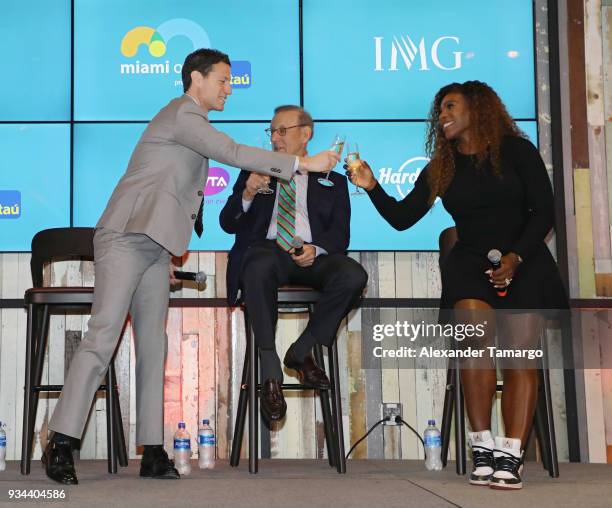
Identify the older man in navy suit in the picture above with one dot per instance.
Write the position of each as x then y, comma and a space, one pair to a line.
262, 258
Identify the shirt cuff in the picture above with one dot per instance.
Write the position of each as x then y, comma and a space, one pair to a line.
246, 205
319, 251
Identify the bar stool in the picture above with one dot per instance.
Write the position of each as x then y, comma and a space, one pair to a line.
41, 302
453, 401
290, 299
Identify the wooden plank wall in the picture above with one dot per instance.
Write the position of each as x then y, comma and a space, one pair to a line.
205, 355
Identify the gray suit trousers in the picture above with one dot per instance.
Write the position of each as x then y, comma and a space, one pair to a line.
131, 274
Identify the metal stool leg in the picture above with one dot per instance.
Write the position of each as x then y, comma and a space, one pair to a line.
243, 401
337, 407
253, 402
26, 437
111, 436
447, 414
326, 411
121, 449
459, 424
553, 461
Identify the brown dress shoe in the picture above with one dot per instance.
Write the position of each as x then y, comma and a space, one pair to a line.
273, 403
308, 371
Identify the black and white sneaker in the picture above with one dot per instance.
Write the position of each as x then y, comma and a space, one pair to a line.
482, 445
508, 465
484, 463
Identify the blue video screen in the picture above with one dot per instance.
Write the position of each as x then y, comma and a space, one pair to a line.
34, 183
36, 60
386, 61
129, 55
101, 156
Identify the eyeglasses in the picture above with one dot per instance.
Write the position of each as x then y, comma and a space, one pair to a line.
282, 130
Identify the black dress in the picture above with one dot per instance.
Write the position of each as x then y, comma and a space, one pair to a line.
513, 213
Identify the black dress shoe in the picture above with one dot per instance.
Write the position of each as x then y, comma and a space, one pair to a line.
308, 371
59, 463
273, 403
156, 464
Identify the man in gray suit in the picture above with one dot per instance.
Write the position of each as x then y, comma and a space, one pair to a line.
148, 218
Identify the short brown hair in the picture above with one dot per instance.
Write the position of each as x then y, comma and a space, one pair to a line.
303, 116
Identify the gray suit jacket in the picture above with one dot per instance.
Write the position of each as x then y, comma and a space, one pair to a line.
160, 193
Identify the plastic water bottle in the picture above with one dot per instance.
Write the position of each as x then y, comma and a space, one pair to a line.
433, 447
2, 448
182, 450
206, 446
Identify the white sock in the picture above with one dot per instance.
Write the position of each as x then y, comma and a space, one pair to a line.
505, 445
482, 439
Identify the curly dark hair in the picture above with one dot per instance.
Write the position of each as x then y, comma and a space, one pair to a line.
489, 122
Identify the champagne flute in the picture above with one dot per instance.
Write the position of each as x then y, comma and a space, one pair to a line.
336, 146
354, 163
265, 189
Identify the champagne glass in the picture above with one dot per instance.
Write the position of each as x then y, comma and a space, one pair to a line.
336, 146
266, 144
354, 163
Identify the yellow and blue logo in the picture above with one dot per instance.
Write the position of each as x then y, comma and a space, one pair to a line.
10, 204
157, 39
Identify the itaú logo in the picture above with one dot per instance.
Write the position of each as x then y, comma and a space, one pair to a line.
402, 52
10, 204
404, 177
218, 180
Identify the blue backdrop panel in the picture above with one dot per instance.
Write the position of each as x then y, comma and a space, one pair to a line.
128, 55
101, 155
385, 60
34, 182
396, 154
36, 60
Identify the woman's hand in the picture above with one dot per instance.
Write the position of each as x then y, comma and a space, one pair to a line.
362, 176
502, 277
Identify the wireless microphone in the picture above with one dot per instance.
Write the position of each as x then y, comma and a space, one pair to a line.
199, 277
298, 244
494, 256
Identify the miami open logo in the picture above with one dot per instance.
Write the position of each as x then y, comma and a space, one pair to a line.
157, 40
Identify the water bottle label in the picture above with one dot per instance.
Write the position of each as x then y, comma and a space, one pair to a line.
182, 444
432, 441
206, 440
2, 441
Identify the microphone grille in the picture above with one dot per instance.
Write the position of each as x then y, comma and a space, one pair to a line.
494, 256
297, 242
200, 278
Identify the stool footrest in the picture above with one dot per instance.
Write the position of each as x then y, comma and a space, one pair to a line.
58, 388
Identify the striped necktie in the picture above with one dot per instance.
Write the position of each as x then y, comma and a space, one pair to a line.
285, 230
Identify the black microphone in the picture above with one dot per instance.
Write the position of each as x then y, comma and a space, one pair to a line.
494, 256
199, 277
298, 244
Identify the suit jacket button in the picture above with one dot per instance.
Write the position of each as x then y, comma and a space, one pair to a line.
193, 216
200, 193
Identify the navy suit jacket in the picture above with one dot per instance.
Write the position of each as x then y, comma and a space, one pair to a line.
329, 214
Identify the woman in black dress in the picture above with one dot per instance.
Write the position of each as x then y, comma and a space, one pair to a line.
494, 184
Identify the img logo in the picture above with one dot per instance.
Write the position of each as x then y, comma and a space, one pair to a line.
403, 178
241, 74
218, 180
10, 204
413, 54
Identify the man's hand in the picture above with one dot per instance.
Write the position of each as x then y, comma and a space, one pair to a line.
306, 258
173, 281
321, 163
255, 182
